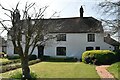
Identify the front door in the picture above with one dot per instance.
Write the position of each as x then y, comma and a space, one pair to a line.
40, 51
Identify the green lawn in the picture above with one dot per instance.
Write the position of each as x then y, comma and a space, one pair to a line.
60, 70
115, 70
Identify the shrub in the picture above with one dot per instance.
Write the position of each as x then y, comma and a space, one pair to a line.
13, 57
18, 75
15, 66
44, 58
10, 62
34, 61
32, 57
2, 53
63, 59
102, 56
117, 55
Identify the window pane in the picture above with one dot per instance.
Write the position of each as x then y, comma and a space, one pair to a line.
61, 51
61, 37
91, 37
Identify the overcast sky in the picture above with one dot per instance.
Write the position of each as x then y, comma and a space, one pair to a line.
65, 8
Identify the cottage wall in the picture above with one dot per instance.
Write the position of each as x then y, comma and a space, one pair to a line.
75, 44
10, 47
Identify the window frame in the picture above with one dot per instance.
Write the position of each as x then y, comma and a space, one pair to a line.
61, 37
60, 52
91, 37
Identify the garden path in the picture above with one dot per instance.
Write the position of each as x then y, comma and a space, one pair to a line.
103, 73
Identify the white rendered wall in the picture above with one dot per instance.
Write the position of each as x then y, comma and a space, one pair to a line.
10, 47
75, 44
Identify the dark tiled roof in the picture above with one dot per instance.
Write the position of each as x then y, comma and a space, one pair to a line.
75, 25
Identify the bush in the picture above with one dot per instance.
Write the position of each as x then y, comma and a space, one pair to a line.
2, 53
15, 66
101, 56
32, 57
18, 75
44, 57
54, 59
13, 57
117, 55
34, 61
10, 62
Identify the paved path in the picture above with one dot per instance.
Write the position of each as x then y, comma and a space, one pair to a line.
103, 73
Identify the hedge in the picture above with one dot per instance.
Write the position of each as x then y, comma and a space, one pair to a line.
117, 54
15, 66
33, 57
2, 53
10, 62
13, 57
101, 56
58, 59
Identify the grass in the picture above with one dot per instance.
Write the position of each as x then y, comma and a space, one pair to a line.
115, 70
60, 70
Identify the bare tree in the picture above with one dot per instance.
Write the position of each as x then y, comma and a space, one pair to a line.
111, 8
31, 30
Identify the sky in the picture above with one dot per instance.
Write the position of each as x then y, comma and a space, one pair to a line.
64, 8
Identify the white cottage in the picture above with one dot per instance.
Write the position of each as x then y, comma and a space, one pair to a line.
76, 35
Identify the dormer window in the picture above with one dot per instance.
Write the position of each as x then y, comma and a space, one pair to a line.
61, 37
91, 37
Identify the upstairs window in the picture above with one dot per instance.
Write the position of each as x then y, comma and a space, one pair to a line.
61, 37
61, 51
91, 37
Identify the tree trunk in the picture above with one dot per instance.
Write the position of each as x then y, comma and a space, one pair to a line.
25, 69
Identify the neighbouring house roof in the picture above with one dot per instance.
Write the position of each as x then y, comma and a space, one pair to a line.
111, 41
76, 25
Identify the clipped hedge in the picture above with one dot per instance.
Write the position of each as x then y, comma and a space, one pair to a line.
58, 59
15, 66
33, 57
13, 57
2, 53
10, 62
101, 56
117, 54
